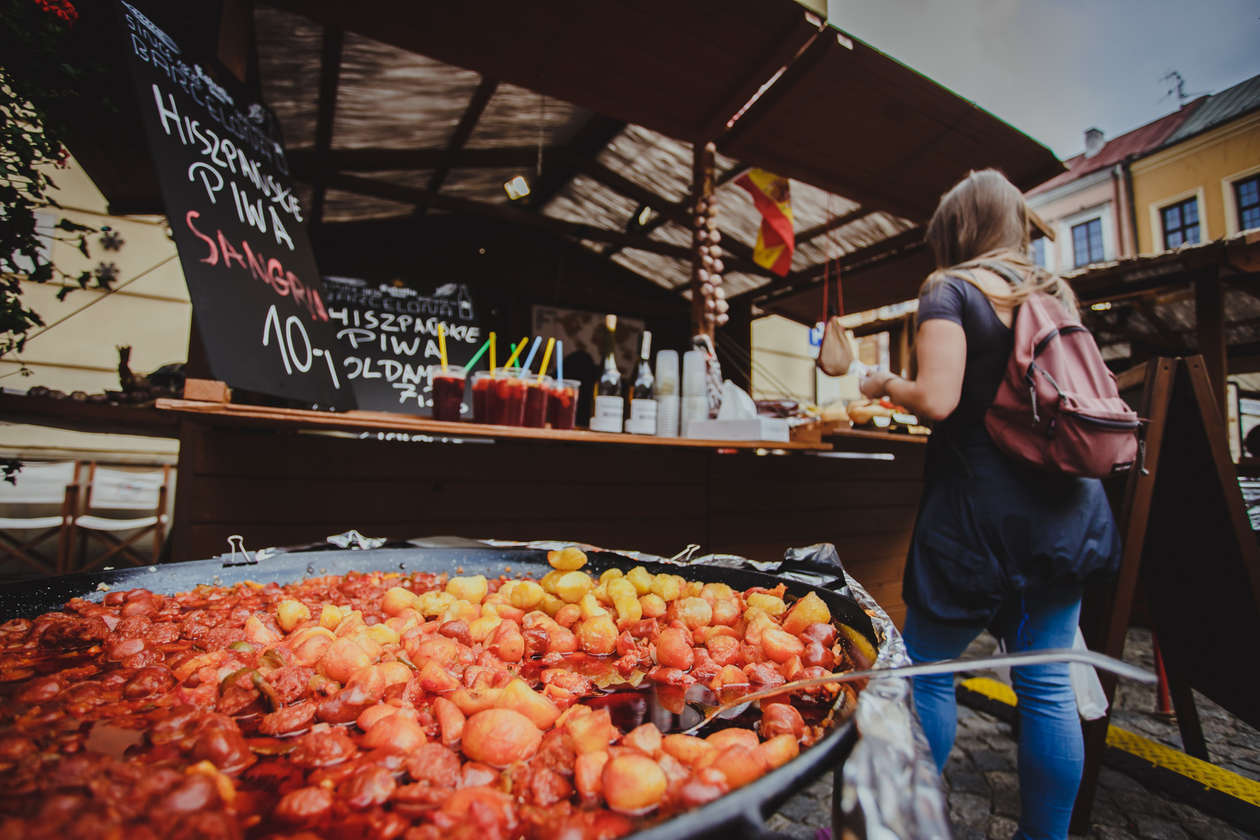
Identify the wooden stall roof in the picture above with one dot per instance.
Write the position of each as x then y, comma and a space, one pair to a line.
430, 107
393, 109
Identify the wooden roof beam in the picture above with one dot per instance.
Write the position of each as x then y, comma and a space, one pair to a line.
798, 280
302, 161
674, 211
463, 130
587, 143
832, 224
329, 81
502, 212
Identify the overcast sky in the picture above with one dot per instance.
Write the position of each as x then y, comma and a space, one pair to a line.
1053, 68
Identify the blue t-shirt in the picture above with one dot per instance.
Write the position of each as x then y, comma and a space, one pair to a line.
989, 344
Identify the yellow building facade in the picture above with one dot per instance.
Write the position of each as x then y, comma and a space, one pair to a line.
77, 349
1202, 172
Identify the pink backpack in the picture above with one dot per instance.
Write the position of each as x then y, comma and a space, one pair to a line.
1057, 406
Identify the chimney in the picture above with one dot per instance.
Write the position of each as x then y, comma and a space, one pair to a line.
1093, 141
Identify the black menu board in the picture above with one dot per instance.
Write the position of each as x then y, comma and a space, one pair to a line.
237, 223
389, 337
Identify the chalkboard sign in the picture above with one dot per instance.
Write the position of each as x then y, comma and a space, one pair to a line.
389, 336
237, 223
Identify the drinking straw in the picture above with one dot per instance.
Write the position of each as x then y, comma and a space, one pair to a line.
529, 360
477, 356
560, 360
442, 344
542, 369
493, 356
516, 351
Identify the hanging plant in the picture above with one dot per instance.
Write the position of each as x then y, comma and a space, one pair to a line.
36, 67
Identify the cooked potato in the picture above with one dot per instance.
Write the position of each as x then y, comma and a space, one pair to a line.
597, 635
526, 595
694, 612
772, 604
641, 578
397, 599
808, 610
290, 614
653, 605
567, 559
500, 737
668, 587
472, 588
571, 586
633, 784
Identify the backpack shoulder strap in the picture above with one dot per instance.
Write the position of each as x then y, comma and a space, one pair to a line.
1003, 270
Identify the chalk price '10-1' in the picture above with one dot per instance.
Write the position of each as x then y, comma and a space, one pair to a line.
296, 352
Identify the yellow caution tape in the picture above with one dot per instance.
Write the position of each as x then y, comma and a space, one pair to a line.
1208, 775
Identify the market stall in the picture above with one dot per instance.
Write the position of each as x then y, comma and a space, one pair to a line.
621, 164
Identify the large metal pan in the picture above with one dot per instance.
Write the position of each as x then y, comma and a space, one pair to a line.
740, 813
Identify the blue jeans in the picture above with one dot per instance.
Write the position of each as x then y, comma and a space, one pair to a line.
1051, 750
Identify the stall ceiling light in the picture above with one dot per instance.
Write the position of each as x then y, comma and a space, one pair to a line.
517, 188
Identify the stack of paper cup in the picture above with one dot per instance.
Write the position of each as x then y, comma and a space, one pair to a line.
695, 395
667, 393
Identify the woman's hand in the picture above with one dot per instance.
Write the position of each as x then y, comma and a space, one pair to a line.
874, 385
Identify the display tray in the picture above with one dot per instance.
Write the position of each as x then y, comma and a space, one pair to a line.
739, 813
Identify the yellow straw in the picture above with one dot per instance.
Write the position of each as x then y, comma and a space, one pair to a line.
512, 359
542, 369
492, 355
442, 344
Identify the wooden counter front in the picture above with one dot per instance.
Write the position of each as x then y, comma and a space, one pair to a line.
262, 473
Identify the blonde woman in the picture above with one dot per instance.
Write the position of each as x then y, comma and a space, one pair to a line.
997, 544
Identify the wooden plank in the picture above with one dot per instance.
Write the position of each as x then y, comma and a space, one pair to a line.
266, 452
293, 418
326, 112
467, 123
78, 416
367, 499
1209, 314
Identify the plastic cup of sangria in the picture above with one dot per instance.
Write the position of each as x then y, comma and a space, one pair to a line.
506, 402
448, 392
537, 400
562, 407
482, 384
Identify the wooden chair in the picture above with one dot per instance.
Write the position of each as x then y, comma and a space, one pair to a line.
118, 491
41, 489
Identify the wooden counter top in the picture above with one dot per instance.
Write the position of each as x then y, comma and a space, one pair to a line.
103, 418
255, 415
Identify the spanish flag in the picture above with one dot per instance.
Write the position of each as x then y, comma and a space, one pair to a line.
775, 242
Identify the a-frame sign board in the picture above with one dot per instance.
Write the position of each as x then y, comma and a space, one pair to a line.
1190, 555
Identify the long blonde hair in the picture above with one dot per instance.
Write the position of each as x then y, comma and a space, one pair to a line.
984, 218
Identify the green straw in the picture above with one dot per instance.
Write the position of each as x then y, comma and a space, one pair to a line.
477, 357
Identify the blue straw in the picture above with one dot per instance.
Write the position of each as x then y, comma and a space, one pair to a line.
529, 360
559, 360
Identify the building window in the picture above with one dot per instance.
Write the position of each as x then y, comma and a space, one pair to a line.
1181, 223
1247, 194
1039, 251
1087, 244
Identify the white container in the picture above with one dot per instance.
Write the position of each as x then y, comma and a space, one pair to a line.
667, 393
695, 390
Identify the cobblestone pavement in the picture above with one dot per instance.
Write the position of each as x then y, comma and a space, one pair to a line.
984, 788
